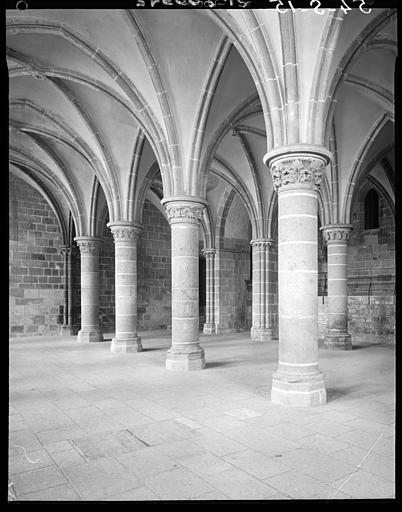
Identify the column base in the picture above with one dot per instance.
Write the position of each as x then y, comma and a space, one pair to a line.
181, 360
89, 336
298, 390
209, 329
66, 330
261, 334
337, 341
126, 345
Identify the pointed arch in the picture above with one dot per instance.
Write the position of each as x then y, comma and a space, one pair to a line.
358, 169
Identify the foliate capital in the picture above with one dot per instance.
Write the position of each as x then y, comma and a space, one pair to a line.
88, 244
124, 231
184, 212
295, 170
337, 233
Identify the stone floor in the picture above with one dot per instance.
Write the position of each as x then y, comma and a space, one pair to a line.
87, 424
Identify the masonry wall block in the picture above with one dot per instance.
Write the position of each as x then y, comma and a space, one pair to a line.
35, 265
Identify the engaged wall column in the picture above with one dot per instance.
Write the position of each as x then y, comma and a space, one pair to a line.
65, 329
261, 329
337, 238
209, 326
89, 249
185, 353
298, 380
125, 236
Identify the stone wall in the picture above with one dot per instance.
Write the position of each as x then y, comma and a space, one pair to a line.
371, 319
154, 271
371, 278
233, 293
371, 268
107, 282
35, 265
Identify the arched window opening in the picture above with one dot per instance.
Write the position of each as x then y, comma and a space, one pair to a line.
371, 210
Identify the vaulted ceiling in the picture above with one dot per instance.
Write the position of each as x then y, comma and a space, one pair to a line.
108, 107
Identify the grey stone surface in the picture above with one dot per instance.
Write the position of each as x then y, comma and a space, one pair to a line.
214, 430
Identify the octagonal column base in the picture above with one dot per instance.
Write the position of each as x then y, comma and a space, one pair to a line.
185, 361
126, 345
261, 334
89, 336
337, 341
299, 391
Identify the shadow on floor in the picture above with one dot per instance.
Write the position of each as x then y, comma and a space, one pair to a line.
358, 346
334, 394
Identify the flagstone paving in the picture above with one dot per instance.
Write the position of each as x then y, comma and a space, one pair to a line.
88, 424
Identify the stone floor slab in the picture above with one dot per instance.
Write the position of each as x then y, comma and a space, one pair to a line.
62, 492
362, 484
205, 464
68, 458
96, 480
239, 485
179, 484
37, 480
257, 464
323, 444
300, 486
317, 465
139, 494
243, 413
374, 441
178, 449
28, 460
147, 461
218, 444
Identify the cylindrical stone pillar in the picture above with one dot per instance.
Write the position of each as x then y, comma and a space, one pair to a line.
261, 329
89, 248
184, 218
298, 380
209, 326
65, 251
125, 236
337, 238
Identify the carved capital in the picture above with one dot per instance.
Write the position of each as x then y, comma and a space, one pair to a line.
209, 253
297, 170
181, 212
262, 242
124, 231
88, 244
337, 233
65, 250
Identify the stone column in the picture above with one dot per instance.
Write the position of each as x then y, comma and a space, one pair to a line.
70, 286
261, 329
125, 236
65, 329
217, 292
89, 248
296, 176
209, 326
337, 238
184, 217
